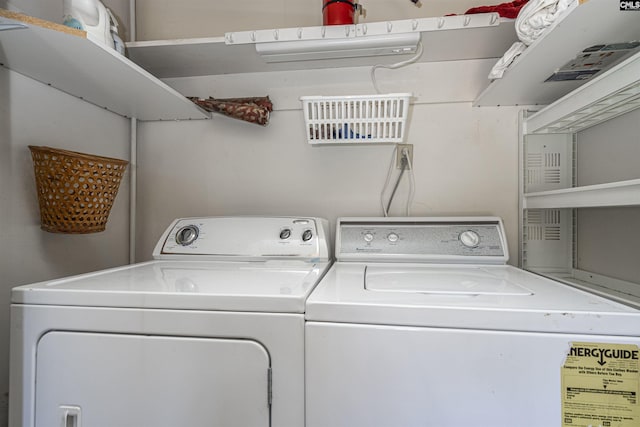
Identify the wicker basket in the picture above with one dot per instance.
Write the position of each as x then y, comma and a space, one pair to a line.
75, 190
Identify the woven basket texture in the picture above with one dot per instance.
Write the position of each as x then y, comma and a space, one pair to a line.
75, 190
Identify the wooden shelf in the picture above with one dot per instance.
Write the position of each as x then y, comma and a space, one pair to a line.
622, 193
82, 68
446, 39
611, 94
591, 23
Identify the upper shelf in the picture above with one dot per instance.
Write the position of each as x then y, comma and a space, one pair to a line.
69, 62
585, 24
444, 39
611, 94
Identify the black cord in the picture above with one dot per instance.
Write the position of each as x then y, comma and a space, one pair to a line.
403, 161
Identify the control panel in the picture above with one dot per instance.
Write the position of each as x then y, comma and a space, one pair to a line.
477, 239
245, 238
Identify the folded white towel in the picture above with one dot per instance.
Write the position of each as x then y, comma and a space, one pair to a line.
537, 15
514, 51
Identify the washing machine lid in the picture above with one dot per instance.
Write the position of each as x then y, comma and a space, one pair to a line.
441, 280
270, 286
494, 297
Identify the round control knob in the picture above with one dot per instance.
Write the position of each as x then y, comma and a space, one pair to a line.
368, 237
285, 234
307, 235
469, 238
392, 237
187, 235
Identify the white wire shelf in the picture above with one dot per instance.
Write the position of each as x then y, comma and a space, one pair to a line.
614, 93
622, 193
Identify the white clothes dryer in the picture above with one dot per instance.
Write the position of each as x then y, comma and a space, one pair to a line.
210, 333
420, 322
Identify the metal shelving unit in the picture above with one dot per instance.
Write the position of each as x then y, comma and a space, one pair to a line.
553, 204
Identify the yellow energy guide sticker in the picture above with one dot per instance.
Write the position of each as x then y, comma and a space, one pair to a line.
600, 386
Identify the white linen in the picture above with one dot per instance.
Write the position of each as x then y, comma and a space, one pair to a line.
532, 21
510, 55
537, 15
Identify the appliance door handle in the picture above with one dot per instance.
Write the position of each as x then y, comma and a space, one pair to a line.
71, 416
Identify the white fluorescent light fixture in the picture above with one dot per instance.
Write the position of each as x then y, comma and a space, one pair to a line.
333, 48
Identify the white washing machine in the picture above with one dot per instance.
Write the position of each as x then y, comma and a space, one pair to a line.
420, 322
210, 333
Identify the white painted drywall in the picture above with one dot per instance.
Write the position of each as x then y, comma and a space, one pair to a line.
607, 242
465, 158
34, 114
53, 11
49, 10
607, 238
169, 19
610, 151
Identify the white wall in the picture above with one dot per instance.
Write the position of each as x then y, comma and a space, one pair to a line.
465, 158
607, 236
49, 10
35, 114
610, 151
170, 19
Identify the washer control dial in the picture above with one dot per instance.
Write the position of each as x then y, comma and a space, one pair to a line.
469, 238
307, 235
368, 237
187, 235
392, 237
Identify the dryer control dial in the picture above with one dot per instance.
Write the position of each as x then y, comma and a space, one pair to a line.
469, 238
285, 234
187, 235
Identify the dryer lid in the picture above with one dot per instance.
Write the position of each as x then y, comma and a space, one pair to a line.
272, 286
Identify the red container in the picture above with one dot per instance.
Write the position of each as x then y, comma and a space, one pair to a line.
338, 12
